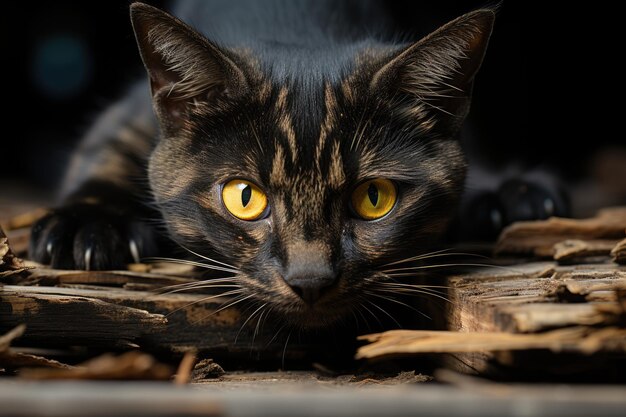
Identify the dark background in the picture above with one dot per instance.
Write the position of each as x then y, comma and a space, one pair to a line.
64, 61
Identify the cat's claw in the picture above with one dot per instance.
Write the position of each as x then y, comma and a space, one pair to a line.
88, 252
90, 237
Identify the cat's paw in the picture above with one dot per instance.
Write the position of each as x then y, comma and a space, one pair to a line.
90, 237
486, 213
522, 200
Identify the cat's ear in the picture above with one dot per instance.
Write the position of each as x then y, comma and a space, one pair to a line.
436, 73
185, 69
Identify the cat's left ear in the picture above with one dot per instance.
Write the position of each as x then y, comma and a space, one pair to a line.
185, 69
437, 72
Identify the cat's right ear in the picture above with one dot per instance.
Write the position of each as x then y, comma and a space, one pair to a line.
185, 69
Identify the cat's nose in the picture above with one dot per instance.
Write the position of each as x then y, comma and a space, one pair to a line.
310, 284
308, 270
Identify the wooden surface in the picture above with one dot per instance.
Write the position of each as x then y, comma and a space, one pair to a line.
543, 320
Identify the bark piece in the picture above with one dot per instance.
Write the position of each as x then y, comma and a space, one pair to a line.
60, 317
206, 369
186, 366
10, 265
538, 237
131, 365
619, 252
26, 219
577, 339
577, 250
10, 359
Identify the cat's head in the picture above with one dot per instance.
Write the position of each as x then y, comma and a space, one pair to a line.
308, 185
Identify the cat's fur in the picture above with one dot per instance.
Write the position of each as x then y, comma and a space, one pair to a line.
304, 98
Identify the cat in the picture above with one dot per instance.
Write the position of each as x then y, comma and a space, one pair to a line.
299, 144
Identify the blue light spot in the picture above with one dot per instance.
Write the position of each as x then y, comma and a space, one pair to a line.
62, 66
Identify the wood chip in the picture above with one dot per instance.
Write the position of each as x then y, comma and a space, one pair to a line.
132, 365
10, 265
538, 237
206, 369
577, 250
9, 359
7, 338
25, 219
183, 374
619, 252
573, 339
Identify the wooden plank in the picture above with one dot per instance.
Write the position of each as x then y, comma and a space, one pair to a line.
534, 318
113, 317
63, 317
533, 302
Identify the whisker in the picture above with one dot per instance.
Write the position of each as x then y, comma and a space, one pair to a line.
356, 319
413, 258
230, 305
422, 290
225, 294
358, 310
373, 315
276, 334
437, 254
191, 263
384, 311
399, 286
206, 258
399, 302
285, 350
404, 284
201, 287
258, 324
247, 320
412, 290
195, 285
416, 268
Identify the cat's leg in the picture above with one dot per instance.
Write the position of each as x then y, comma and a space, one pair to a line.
103, 220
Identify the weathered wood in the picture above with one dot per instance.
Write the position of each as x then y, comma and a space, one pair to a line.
131, 365
539, 237
61, 317
531, 302
577, 339
10, 265
570, 251
58, 316
10, 359
25, 219
619, 252
540, 317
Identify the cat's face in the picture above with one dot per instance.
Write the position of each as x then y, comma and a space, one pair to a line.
308, 189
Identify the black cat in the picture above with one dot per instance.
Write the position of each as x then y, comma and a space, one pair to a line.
297, 144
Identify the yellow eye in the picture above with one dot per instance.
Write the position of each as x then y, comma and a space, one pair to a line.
374, 198
244, 200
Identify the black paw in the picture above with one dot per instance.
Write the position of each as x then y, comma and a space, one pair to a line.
90, 237
486, 214
525, 200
